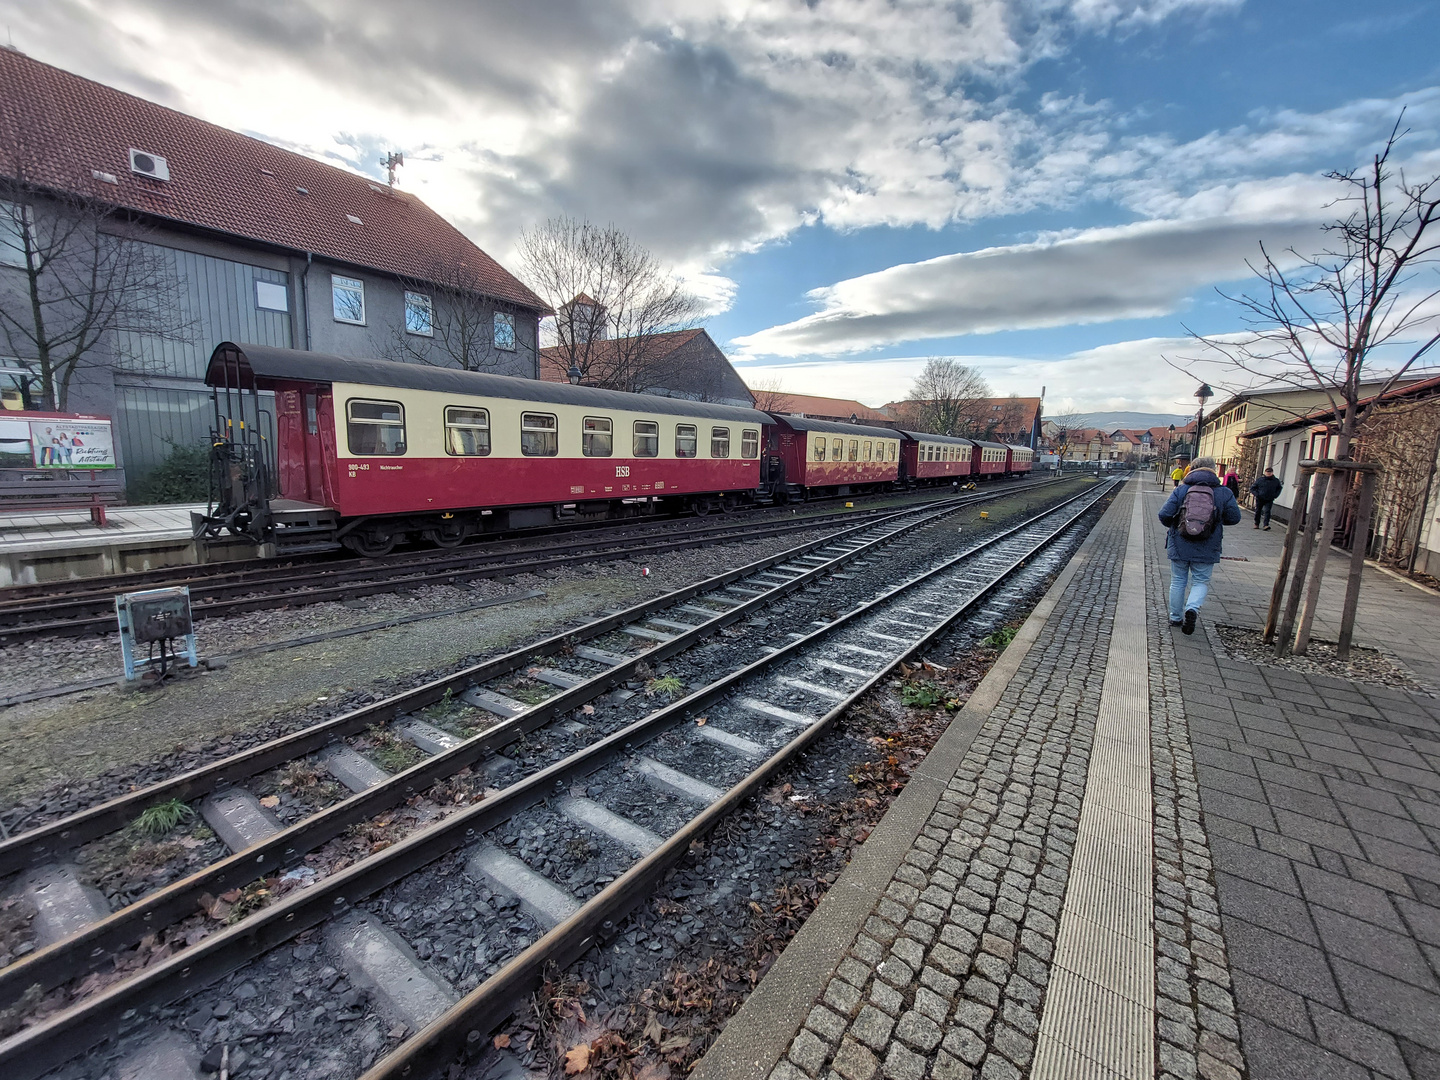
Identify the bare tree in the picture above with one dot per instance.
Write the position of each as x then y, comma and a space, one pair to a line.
612, 299
769, 394
86, 280
943, 397
1316, 326
1068, 426
460, 322
1371, 288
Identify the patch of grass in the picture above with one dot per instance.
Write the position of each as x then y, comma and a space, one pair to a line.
1001, 638
390, 751
299, 776
666, 686
157, 821
530, 695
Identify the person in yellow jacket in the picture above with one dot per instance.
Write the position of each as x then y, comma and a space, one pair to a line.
1177, 476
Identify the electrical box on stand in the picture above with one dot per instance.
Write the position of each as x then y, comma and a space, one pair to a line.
155, 618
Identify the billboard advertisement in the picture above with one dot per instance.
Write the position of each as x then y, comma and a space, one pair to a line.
56, 443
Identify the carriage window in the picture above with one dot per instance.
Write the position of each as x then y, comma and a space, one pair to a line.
595, 436
893, 448
467, 432
819, 449
837, 450
749, 443
854, 449
539, 435
375, 427
719, 442
866, 452
686, 440
647, 438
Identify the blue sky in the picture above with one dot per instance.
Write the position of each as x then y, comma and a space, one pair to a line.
1048, 189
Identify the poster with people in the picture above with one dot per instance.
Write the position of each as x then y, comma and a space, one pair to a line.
66, 443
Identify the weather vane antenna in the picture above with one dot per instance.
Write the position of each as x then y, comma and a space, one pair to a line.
391, 163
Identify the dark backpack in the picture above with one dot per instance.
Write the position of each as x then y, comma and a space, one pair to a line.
1198, 516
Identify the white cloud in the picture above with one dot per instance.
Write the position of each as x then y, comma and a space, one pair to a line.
1097, 275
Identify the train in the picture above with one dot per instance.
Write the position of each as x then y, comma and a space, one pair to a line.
368, 454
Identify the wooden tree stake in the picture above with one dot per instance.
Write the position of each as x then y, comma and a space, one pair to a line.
1357, 564
1292, 530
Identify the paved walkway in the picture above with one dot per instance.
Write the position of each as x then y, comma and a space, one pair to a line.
50, 529
1132, 857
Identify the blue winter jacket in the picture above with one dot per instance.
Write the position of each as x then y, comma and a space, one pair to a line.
1183, 549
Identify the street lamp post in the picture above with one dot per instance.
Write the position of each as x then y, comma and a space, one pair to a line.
1203, 395
574, 375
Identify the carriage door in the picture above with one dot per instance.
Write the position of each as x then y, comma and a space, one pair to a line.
298, 432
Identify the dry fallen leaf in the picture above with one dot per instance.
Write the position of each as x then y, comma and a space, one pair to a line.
653, 1071
270, 802
577, 1059
588, 710
702, 721
501, 1041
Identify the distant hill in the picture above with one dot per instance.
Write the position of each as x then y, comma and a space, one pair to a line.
1112, 420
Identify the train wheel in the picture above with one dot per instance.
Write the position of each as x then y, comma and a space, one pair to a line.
702, 507
451, 535
370, 545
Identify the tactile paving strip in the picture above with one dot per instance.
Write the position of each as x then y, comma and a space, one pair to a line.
1099, 1016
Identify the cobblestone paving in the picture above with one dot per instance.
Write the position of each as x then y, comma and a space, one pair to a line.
1322, 802
1196, 1030
947, 978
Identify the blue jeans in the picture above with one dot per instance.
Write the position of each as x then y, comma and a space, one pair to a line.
1197, 576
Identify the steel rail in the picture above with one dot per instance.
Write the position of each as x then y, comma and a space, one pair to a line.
87, 948
93, 600
198, 573
22, 849
482, 565
485, 1007
33, 1051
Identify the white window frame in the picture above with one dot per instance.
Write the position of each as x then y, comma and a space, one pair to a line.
340, 283
505, 342
423, 302
454, 425
10, 241
719, 439
693, 436
351, 420
588, 434
819, 451
650, 437
552, 429
262, 287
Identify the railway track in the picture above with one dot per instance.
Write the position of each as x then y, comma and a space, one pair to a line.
26, 612
761, 713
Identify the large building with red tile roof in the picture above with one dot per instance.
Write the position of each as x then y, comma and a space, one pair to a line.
677, 363
262, 245
841, 410
1014, 420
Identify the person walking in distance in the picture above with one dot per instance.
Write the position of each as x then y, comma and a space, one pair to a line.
1176, 475
1266, 490
1232, 481
1196, 514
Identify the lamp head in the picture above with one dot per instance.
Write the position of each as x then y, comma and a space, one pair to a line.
574, 375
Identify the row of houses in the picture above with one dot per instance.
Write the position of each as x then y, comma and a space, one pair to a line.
1279, 427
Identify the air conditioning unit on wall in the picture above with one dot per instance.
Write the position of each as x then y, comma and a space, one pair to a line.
151, 165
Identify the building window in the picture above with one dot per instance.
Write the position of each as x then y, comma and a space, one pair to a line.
749, 444
505, 331
539, 435
719, 442
419, 314
686, 440
348, 297
375, 427
596, 438
647, 438
14, 223
269, 295
819, 449
467, 432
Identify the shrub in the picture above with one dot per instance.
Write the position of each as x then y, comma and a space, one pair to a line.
184, 476
155, 821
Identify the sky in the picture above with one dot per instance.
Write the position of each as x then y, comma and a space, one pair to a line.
1053, 191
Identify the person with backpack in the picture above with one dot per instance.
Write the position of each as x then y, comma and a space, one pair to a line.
1196, 514
1266, 490
1232, 481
